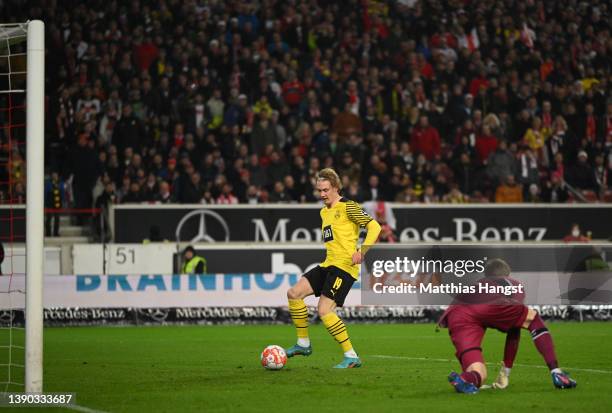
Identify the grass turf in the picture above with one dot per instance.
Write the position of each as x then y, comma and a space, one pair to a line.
216, 369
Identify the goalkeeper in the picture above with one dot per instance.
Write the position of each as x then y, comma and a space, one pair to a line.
468, 319
333, 278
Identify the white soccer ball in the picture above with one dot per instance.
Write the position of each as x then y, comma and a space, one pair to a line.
273, 357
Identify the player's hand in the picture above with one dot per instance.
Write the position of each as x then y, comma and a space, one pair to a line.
502, 380
357, 257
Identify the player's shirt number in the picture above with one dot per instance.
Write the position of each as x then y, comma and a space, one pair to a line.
337, 283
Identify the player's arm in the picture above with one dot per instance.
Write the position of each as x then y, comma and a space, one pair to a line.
373, 229
513, 337
356, 214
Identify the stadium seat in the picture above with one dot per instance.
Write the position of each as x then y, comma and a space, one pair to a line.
590, 196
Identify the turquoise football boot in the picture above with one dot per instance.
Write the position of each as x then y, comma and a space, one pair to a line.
349, 363
298, 350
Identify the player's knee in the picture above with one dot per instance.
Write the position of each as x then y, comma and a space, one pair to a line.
324, 309
293, 294
531, 315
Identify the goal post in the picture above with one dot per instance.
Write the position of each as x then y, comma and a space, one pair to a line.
22, 126
35, 164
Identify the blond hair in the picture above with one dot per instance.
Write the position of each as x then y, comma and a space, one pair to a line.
328, 174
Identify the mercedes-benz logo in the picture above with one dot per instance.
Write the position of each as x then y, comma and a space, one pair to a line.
202, 234
7, 316
155, 314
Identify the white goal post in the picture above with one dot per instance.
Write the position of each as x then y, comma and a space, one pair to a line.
19, 79
35, 156
22, 89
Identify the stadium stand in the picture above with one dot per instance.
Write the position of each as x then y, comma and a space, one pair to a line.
240, 101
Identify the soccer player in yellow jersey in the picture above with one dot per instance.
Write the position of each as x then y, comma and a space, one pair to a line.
333, 278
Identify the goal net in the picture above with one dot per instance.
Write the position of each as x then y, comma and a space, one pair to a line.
21, 205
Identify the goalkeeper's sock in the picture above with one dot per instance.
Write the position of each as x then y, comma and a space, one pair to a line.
507, 370
472, 377
299, 315
543, 342
337, 329
513, 338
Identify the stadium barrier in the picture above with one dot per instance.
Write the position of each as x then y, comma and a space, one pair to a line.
295, 258
14, 261
413, 222
210, 299
268, 315
163, 258
153, 258
13, 219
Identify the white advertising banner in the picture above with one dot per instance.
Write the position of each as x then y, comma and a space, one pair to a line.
15, 260
123, 258
147, 291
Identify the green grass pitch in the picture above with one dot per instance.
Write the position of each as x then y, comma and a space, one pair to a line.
217, 369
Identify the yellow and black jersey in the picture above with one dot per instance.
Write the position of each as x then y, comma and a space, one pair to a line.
340, 229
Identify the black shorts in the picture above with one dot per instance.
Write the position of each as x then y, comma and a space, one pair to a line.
332, 282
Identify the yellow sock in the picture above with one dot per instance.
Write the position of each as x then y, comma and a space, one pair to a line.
337, 329
299, 315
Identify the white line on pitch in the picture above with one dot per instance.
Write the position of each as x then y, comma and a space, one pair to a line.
83, 409
382, 356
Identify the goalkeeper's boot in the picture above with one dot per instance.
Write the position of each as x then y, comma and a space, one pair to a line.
562, 380
460, 385
298, 350
348, 363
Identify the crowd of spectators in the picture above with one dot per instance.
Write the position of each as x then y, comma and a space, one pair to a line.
244, 101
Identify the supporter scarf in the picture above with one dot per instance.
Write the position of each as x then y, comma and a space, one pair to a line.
547, 120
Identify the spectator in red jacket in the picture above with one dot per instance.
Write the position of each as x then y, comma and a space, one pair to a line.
145, 53
486, 143
425, 139
293, 90
479, 82
575, 235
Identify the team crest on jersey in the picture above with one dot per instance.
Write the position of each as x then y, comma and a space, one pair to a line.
337, 215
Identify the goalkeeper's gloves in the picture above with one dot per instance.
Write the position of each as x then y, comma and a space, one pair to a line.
503, 378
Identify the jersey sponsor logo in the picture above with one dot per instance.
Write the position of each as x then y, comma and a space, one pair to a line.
328, 234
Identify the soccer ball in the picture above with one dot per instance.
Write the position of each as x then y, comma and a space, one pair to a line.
273, 357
